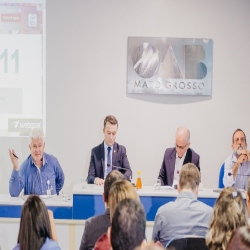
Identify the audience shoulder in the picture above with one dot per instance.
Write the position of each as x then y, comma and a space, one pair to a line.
165, 208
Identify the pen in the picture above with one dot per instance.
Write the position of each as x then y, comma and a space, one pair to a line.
15, 155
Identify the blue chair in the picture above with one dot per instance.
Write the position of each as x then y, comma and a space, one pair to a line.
222, 170
187, 242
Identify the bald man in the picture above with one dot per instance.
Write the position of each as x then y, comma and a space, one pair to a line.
175, 158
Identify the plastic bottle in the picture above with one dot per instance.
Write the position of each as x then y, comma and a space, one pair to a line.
138, 182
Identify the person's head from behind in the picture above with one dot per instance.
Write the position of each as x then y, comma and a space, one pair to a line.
229, 214
240, 240
182, 141
119, 191
110, 129
34, 225
189, 179
110, 179
128, 225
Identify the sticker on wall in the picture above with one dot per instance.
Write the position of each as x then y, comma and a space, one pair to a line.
181, 66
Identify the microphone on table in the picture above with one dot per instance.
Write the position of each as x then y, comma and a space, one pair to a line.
230, 174
116, 167
113, 166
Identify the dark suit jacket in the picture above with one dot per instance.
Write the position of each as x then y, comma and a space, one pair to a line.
95, 227
97, 162
166, 174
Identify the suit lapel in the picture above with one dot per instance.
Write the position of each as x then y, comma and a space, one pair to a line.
172, 165
114, 154
102, 158
188, 157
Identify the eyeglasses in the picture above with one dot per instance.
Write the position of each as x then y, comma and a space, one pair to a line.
180, 147
240, 139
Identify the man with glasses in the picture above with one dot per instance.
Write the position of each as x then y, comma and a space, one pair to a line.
176, 157
237, 165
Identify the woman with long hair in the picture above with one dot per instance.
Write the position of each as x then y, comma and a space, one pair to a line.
230, 213
37, 227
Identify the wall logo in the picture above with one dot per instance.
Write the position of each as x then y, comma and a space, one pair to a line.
24, 125
170, 65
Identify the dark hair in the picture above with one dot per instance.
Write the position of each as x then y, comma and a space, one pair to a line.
110, 179
111, 119
237, 130
240, 240
34, 224
128, 225
189, 176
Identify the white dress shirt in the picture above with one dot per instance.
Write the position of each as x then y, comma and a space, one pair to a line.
177, 168
106, 158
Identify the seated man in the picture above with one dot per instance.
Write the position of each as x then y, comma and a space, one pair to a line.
108, 153
237, 165
176, 157
98, 225
40, 173
186, 215
128, 226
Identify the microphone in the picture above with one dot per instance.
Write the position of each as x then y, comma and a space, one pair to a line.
230, 174
116, 167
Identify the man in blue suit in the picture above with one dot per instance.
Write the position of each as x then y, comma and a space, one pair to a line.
108, 154
175, 158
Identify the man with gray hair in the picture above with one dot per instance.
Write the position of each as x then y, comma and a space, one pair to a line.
40, 173
186, 215
176, 157
237, 165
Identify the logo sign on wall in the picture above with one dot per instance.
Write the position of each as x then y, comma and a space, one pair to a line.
165, 65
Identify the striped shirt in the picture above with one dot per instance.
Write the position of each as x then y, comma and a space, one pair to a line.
33, 181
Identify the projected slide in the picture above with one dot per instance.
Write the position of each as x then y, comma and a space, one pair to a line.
22, 67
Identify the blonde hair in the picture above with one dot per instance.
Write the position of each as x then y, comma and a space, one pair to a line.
189, 177
119, 191
229, 214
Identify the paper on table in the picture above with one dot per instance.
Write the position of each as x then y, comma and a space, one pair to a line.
167, 188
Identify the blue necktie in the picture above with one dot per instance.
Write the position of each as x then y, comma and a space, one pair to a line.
109, 161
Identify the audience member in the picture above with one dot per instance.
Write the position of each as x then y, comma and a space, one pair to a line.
98, 225
119, 191
248, 197
229, 214
186, 215
37, 227
151, 247
128, 226
240, 240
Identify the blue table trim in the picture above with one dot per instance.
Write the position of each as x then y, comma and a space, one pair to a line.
85, 206
7, 211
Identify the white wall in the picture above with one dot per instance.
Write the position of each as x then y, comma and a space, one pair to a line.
86, 80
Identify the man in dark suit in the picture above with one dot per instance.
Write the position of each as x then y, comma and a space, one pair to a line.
176, 157
107, 154
96, 226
